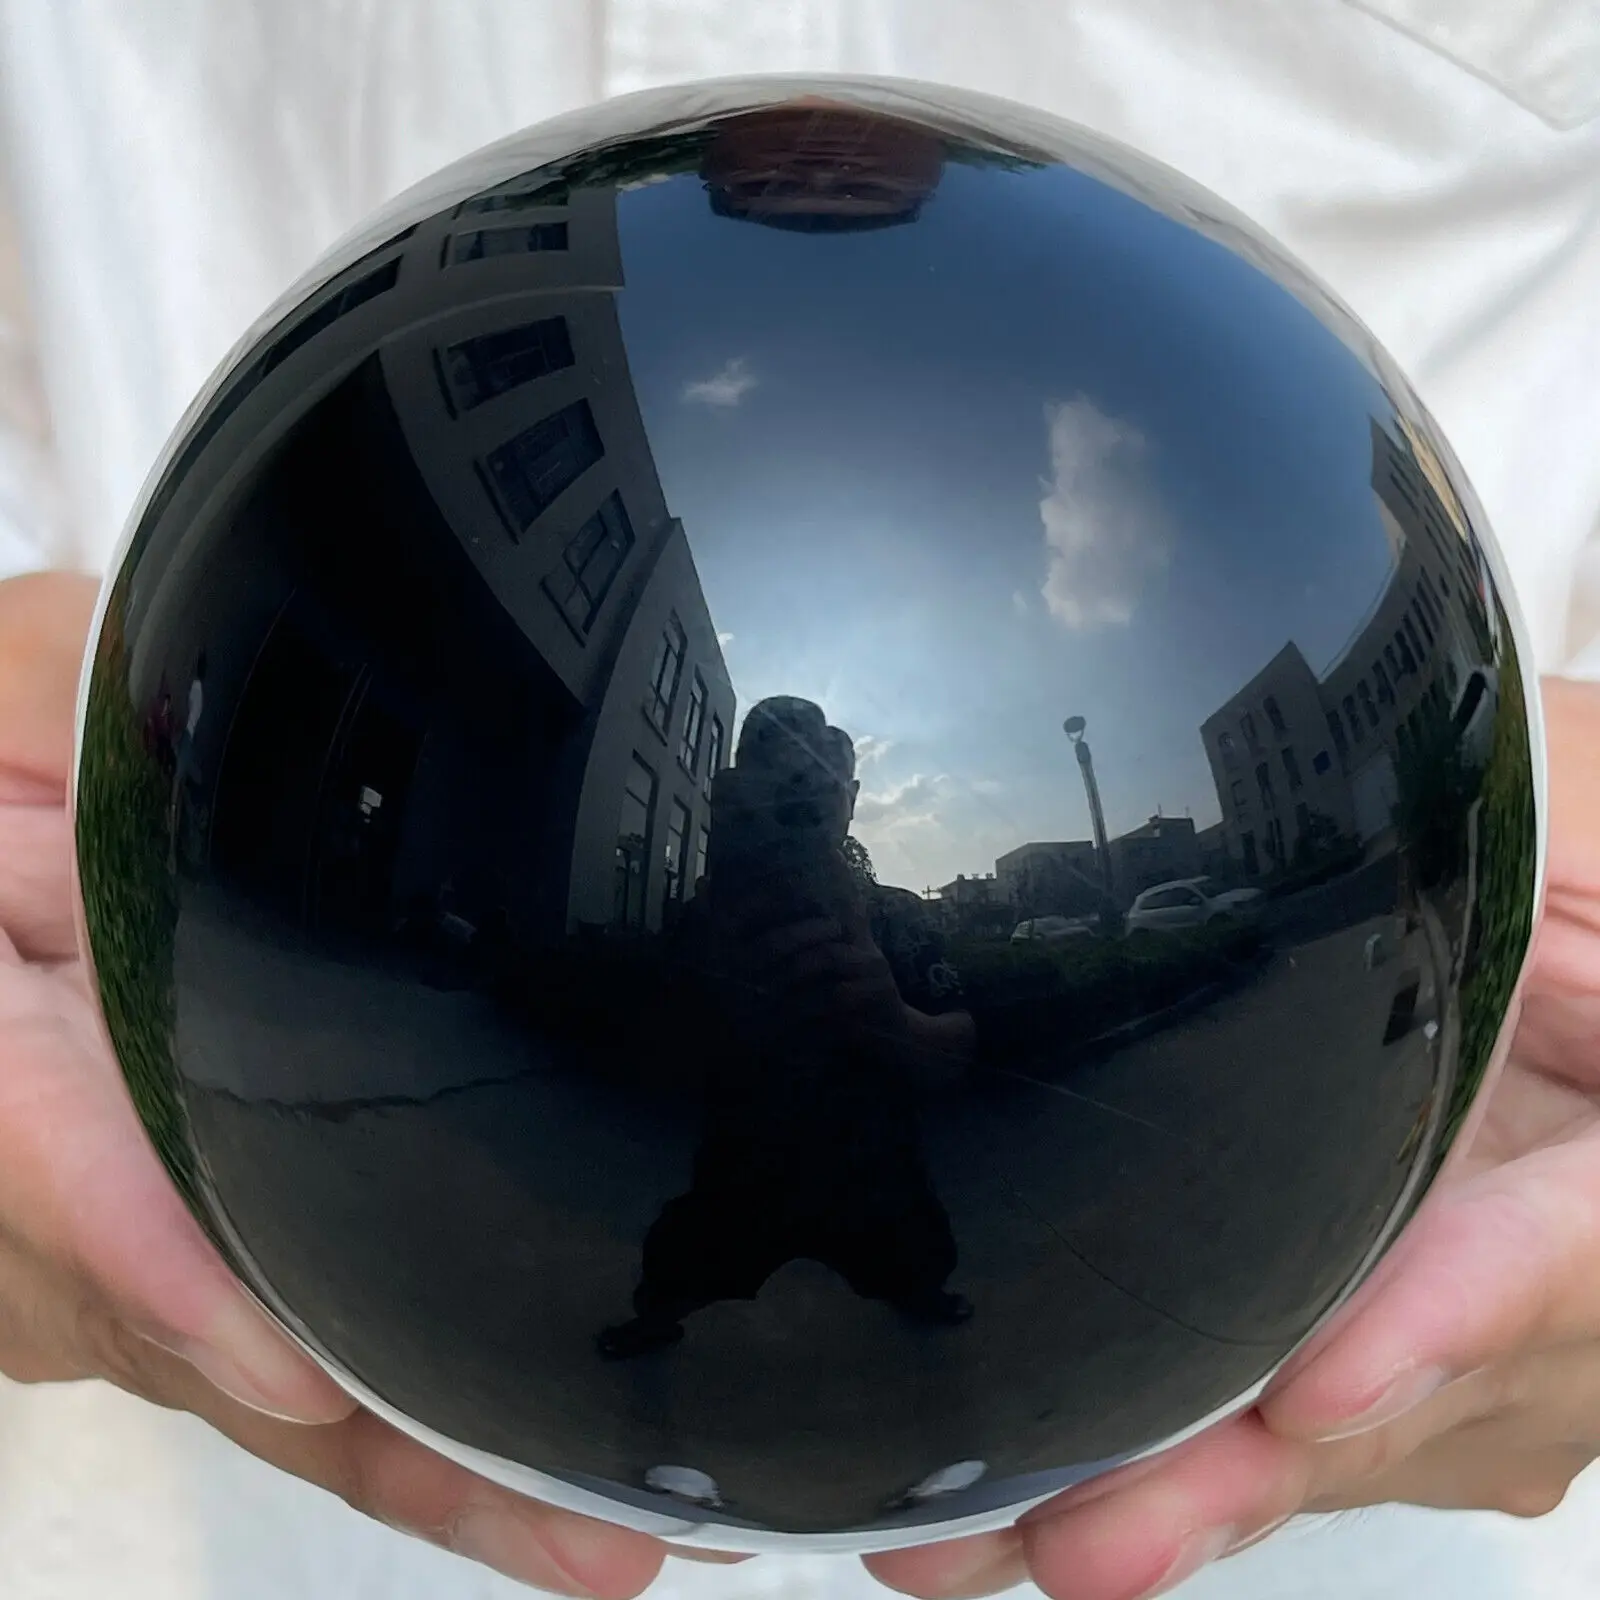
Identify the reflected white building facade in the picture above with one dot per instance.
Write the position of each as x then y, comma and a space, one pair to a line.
521, 413
1299, 758
502, 411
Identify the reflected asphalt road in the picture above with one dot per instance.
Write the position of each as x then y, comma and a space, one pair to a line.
1092, 1266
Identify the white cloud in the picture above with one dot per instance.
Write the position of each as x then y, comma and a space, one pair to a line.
1106, 533
870, 748
986, 786
901, 805
725, 388
1020, 603
725, 639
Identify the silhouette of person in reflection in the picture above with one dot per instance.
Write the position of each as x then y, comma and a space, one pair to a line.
832, 1009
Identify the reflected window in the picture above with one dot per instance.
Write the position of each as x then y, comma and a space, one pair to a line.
1302, 819
1408, 662
1353, 717
702, 853
1321, 762
590, 564
486, 243
1336, 728
716, 751
678, 823
694, 726
493, 364
633, 839
1248, 724
1385, 687
1394, 660
1274, 715
1419, 607
1247, 848
1411, 633
1291, 766
1366, 703
1264, 784
329, 312
664, 674
544, 194
1230, 751
528, 473
1275, 841
1240, 800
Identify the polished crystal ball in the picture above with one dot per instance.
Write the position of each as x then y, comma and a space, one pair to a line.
804, 808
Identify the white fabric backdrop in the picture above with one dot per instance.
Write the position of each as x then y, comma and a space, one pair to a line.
173, 164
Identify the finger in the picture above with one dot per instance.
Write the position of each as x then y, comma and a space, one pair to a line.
44, 623
36, 894
55, 1327
379, 1472
1150, 1525
775, 950
955, 1569
1509, 1439
81, 1187
1493, 1268
1208, 1499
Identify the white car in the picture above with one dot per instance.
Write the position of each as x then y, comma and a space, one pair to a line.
1051, 929
1188, 903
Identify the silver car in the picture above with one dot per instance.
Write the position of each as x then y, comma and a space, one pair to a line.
1188, 903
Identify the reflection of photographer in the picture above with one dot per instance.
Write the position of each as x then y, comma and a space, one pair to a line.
832, 1008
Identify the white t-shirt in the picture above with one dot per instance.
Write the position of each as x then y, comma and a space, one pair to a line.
174, 164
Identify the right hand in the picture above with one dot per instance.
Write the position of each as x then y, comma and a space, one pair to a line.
103, 1273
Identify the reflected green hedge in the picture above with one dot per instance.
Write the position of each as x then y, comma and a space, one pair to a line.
130, 901
1074, 990
1503, 915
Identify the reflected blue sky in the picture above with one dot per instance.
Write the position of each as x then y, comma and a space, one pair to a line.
1042, 452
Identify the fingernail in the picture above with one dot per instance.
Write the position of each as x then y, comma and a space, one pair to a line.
980, 1568
1405, 1392
253, 1363
1199, 1550
505, 1543
1260, 1536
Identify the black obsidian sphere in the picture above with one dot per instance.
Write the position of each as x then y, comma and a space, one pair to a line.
805, 808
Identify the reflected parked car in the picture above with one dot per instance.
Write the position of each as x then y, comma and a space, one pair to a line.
1051, 929
1189, 903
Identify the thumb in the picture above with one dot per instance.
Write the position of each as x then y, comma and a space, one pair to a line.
44, 627
1501, 1265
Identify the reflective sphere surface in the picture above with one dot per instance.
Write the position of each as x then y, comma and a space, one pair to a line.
806, 808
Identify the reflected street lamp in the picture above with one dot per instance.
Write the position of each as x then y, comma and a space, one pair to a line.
1074, 727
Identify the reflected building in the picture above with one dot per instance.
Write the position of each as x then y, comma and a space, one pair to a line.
569, 713
1050, 878
965, 902
1303, 760
1157, 851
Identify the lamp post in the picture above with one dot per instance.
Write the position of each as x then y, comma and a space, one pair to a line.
1074, 727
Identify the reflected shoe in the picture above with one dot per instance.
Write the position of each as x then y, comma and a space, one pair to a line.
640, 1337
940, 1309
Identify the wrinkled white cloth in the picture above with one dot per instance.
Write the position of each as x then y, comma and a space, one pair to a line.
172, 165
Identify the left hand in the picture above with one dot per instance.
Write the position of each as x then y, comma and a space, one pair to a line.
1465, 1375
826, 982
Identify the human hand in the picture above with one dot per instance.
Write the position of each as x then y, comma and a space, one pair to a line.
1465, 1375
817, 978
103, 1273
